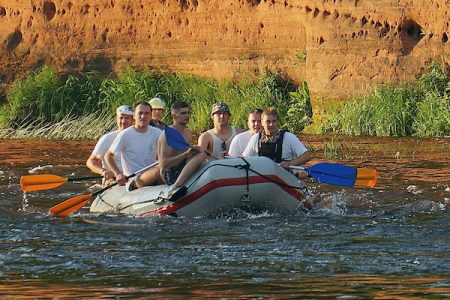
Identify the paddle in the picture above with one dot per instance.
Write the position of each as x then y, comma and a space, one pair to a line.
73, 204
30, 183
339, 174
331, 173
176, 140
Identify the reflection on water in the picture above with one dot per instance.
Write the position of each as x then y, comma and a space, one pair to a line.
281, 287
388, 242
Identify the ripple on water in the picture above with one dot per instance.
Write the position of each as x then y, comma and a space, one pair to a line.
362, 243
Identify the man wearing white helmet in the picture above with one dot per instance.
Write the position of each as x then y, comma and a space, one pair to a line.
158, 109
96, 162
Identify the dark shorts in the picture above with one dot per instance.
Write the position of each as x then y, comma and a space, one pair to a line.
170, 175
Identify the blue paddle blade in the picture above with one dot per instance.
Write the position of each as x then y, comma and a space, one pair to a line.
333, 173
175, 139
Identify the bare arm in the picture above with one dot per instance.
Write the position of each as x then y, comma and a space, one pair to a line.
110, 161
165, 154
299, 160
95, 164
205, 142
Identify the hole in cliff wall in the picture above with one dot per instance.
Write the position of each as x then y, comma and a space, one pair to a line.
30, 22
384, 30
105, 35
444, 38
316, 12
253, 2
73, 65
410, 34
13, 40
412, 29
85, 9
363, 21
101, 64
49, 10
184, 5
2, 11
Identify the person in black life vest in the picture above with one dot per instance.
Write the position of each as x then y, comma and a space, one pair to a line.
281, 146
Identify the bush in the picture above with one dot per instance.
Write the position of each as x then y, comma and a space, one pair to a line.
299, 114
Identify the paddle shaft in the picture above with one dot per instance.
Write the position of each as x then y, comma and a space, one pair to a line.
72, 179
127, 177
306, 169
73, 204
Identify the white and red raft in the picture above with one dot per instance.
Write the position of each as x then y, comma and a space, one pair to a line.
253, 184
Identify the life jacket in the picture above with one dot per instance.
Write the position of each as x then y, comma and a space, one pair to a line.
271, 150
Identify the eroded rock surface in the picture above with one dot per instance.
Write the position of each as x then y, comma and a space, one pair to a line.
340, 47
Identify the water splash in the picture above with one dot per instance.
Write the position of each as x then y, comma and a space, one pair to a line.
25, 203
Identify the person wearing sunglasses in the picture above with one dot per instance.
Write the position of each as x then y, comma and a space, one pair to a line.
241, 140
281, 146
218, 139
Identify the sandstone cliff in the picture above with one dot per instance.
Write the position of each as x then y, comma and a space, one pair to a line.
340, 47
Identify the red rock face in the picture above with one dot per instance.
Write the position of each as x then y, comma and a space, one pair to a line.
341, 47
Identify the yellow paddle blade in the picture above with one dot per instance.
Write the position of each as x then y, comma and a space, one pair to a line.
366, 177
69, 206
40, 182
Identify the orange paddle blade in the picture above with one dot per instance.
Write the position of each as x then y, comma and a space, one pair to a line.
366, 177
69, 206
40, 182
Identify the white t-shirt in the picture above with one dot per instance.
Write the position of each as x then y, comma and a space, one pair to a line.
291, 148
137, 150
103, 145
239, 143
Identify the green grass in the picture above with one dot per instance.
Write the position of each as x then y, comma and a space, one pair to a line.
44, 101
421, 108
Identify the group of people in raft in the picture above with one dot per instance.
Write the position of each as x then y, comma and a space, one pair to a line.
140, 141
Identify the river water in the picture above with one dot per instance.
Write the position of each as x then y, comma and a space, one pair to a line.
388, 242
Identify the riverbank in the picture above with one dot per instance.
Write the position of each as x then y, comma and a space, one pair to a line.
81, 106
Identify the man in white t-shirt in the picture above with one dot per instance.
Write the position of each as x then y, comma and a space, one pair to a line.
96, 162
281, 146
135, 145
241, 140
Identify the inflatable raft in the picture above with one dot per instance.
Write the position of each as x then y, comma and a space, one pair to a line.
254, 184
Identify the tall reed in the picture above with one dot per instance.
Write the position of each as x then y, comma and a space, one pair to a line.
420, 108
44, 98
85, 127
